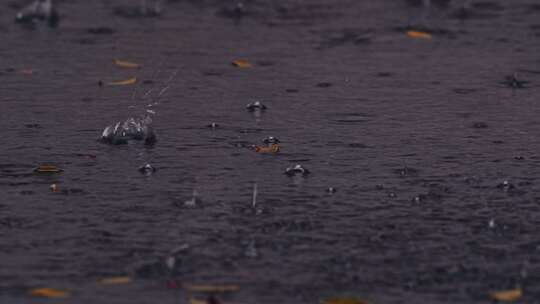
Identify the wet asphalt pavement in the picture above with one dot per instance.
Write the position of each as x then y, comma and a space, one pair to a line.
417, 136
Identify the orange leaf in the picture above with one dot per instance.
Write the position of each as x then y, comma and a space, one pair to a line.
128, 81
127, 64
343, 301
47, 169
115, 280
507, 295
213, 288
274, 148
49, 293
241, 63
419, 34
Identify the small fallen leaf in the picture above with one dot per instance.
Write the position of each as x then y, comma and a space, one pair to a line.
115, 280
128, 81
419, 34
47, 169
54, 188
49, 293
212, 288
343, 301
127, 64
241, 63
210, 300
196, 301
272, 149
507, 295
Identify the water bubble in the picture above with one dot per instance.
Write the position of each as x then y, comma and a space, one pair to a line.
297, 170
255, 106
147, 169
271, 140
506, 186
331, 190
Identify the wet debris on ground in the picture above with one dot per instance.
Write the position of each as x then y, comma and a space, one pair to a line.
510, 295
242, 64
49, 292
212, 125
271, 146
129, 81
344, 300
127, 64
47, 169
274, 148
120, 280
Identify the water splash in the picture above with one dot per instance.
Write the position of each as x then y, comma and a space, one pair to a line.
39, 10
254, 197
130, 129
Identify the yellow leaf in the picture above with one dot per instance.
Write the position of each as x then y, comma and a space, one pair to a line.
507, 295
127, 64
419, 34
241, 63
47, 169
274, 148
343, 301
49, 293
115, 280
128, 81
213, 288
196, 301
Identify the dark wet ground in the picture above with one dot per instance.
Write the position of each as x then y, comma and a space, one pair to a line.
414, 134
